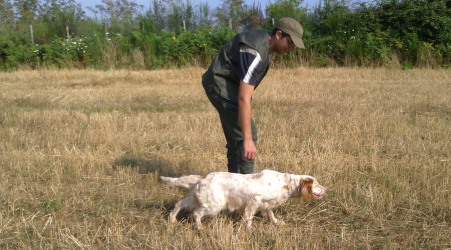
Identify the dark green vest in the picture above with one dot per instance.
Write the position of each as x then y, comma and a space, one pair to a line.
221, 75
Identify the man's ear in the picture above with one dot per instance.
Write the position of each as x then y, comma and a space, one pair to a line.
279, 34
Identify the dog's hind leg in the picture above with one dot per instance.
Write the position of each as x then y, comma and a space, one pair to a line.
188, 202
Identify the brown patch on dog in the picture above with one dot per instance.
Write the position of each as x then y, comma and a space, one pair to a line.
257, 176
285, 187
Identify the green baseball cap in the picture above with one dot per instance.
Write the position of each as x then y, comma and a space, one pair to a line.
292, 28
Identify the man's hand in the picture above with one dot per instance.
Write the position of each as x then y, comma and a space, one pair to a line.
249, 150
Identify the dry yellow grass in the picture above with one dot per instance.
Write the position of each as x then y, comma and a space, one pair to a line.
80, 153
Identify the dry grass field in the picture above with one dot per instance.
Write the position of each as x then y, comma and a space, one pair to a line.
81, 152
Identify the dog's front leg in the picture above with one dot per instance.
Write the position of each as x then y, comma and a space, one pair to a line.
249, 213
198, 214
273, 218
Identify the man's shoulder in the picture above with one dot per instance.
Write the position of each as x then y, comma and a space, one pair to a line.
258, 32
254, 38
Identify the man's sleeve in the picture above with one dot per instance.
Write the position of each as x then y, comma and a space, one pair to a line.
250, 65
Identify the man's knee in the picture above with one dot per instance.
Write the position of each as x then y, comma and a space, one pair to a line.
233, 168
246, 167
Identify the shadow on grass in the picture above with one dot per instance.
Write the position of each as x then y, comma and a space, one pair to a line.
158, 165
145, 205
146, 166
185, 216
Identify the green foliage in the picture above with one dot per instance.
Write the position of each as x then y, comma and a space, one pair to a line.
70, 50
6, 12
410, 23
379, 34
190, 48
285, 8
332, 29
15, 50
61, 16
413, 33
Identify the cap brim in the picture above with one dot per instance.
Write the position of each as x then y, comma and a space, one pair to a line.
298, 42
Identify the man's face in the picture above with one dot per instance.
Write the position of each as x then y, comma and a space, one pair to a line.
284, 44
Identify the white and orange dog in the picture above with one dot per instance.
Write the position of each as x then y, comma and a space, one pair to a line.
249, 193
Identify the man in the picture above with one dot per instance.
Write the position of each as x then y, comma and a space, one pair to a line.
233, 76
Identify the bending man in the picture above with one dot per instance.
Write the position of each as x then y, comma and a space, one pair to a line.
233, 76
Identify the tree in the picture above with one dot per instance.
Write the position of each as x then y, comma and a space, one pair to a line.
27, 10
59, 14
157, 13
175, 19
6, 13
238, 15
180, 14
203, 15
118, 14
285, 8
189, 16
253, 17
231, 11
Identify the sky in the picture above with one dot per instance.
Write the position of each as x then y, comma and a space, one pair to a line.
212, 3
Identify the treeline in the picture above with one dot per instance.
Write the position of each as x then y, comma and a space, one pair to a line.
169, 33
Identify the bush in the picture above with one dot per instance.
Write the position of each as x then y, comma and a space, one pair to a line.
15, 50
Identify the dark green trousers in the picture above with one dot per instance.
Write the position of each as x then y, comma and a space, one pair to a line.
228, 114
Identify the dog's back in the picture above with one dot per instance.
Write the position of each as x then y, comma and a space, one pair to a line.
232, 191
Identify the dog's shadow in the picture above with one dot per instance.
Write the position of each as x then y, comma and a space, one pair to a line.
187, 216
146, 166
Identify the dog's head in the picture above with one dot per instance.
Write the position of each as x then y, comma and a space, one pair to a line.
309, 188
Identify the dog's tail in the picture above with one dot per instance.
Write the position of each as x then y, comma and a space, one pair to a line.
185, 181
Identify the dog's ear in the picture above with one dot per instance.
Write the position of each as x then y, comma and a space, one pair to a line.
305, 188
